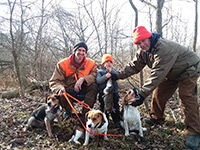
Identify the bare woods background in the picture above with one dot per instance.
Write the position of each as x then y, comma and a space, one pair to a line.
35, 35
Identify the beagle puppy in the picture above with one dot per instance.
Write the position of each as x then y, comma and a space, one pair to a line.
130, 114
96, 122
45, 114
108, 97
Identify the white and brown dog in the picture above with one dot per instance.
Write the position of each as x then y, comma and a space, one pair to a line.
96, 122
108, 97
130, 114
46, 113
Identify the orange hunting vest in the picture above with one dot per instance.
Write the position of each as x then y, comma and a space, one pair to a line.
69, 69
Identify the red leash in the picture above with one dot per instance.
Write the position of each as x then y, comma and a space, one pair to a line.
88, 107
82, 103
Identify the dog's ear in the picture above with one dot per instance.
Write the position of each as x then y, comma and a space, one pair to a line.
128, 92
46, 99
86, 116
136, 92
103, 119
123, 102
124, 99
57, 96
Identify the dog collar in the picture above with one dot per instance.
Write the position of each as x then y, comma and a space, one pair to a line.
130, 102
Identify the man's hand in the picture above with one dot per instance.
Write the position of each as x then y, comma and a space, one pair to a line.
62, 91
139, 101
108, 75
78, 84
114, 76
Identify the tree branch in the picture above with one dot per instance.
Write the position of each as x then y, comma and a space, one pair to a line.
147, 3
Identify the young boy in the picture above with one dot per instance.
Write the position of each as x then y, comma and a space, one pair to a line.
103, 75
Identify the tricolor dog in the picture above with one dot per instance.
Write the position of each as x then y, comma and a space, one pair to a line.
46, 114
96, 122
108, 97
130, 114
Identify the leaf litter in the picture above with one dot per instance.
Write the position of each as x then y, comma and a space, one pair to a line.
169, 135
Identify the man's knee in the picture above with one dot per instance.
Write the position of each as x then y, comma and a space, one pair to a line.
93, 87
91, 91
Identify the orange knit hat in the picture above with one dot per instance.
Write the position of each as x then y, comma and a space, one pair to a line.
140, 33
107, 57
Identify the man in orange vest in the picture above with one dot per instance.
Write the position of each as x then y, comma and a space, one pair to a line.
75, 75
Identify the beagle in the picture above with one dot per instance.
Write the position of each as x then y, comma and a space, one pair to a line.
108, 97
130, 114
45, 114
96, 122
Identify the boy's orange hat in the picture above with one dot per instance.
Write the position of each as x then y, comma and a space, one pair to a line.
140, 33
107, 57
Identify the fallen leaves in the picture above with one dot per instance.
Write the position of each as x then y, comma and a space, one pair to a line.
15, 111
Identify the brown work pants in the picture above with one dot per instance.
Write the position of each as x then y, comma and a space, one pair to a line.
90, 94
190, 106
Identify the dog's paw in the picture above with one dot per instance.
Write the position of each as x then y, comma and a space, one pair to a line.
144, 129
127, 134
85, 144
141, 135
50, 135
77, 142
72, 139
105, 138
24, 129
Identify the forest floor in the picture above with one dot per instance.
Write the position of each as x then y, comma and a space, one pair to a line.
166, 136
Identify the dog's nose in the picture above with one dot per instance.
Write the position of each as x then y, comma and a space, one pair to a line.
49, 104
89, 125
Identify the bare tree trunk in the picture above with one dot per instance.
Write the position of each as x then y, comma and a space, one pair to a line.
136, 12
141, 72
150, 18
104, 13
20, 48
195, 26
65, 35
136, 21
159, 16
95, 27
37, 43
14, 48
158, 9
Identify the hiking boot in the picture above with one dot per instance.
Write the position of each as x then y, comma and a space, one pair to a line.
151, 121
193, 141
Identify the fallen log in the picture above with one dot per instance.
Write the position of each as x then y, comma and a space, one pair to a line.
33, 88
10, 94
